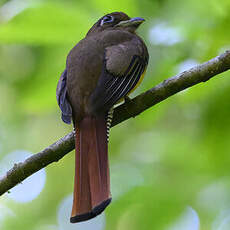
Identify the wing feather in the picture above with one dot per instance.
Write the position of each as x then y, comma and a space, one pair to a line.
124, 87
61, 94
110, 89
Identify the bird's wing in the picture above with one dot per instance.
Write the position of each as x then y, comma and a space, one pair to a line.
123, 66
61, 94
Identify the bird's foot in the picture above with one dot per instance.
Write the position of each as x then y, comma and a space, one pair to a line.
128, 100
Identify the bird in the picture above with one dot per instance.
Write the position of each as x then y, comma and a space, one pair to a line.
101, 70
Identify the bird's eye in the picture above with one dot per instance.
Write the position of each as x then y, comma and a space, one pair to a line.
107, 19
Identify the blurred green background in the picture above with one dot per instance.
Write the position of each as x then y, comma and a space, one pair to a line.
169, 166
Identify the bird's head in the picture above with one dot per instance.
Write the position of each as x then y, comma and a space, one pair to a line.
117, 21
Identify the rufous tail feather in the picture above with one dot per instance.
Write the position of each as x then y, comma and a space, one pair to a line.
92, 181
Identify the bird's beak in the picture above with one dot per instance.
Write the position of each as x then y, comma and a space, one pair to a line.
131, 22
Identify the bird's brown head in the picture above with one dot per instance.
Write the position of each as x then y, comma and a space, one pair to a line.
117, 21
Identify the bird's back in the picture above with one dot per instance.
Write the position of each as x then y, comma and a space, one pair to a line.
85, 64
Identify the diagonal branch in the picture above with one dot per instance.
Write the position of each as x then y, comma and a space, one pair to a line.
167, 88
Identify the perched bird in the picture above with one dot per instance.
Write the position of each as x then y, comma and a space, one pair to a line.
101, 69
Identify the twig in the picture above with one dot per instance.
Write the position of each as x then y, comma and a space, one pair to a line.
137, 105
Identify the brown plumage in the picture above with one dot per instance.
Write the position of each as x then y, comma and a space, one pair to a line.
101, 70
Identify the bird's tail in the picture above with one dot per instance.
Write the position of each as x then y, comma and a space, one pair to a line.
92, 181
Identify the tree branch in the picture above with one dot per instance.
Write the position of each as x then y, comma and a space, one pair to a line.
137, 105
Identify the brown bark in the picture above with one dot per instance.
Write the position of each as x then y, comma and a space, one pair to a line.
137, 105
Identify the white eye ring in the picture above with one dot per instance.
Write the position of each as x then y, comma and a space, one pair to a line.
107, 19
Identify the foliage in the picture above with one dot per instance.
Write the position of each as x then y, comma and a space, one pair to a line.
172, 156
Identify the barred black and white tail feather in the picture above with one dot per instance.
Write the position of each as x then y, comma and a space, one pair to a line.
109, 122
